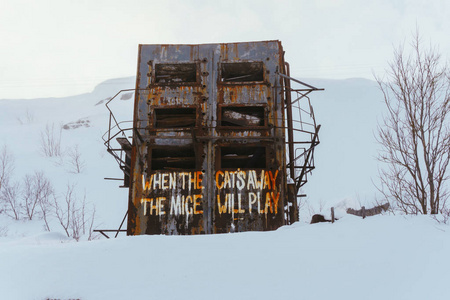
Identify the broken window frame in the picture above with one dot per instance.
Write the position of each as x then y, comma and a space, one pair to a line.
222, 107
154, 79
170, 149
260, 80
220, 163
153, 116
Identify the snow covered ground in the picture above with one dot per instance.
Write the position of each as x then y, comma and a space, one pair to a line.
381, 257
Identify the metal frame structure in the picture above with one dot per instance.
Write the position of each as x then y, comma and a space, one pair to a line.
296, 121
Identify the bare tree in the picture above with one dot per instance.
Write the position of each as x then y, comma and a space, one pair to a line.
51, 141
36, 192
415, 133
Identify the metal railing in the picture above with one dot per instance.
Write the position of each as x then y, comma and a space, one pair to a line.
301, 130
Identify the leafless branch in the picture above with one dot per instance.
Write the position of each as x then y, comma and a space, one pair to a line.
415, 132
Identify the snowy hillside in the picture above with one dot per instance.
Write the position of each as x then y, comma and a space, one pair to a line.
80, 121
382, 257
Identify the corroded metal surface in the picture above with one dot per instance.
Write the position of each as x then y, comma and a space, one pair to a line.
208, 153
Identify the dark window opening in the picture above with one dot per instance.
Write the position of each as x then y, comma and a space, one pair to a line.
175, 73
243, 157
174, 117
242, 116
242, 72
173, 158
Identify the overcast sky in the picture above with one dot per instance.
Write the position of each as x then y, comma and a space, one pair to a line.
63, 47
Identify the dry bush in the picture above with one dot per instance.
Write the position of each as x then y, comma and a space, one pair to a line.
9, 192
9, 197
51, 141
6, 165
36, 193
29, 118
77, 164
3, 231
72, 214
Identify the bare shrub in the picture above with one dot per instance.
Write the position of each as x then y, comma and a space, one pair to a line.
19, 120
314, 210
87, 218
36, 192
64, 212
73, 215
9, 196
6, 165
45, 205
51, 141
29, 118
415, 133
9, 192
77, 164
91, 235
3, 231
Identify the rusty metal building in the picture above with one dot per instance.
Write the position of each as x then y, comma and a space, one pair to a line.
221, 140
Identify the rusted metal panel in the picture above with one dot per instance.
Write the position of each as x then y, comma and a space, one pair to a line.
210, 157
208, 151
